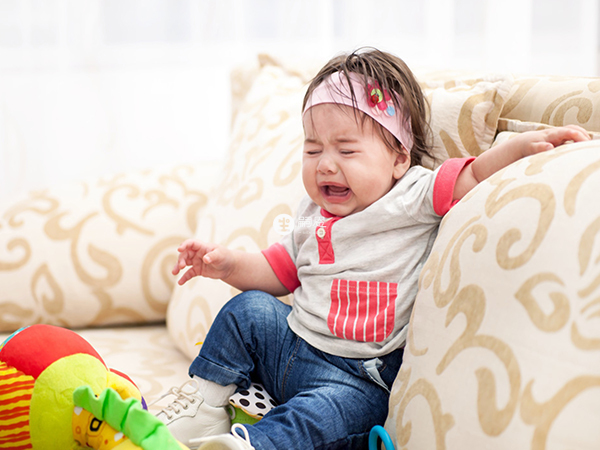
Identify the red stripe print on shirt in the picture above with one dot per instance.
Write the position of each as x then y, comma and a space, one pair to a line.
362, 310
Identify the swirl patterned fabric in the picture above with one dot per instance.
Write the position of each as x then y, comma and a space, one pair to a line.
464, 114
504, 337
555, 101
98, 252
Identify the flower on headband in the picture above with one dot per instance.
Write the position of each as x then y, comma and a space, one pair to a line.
380, 99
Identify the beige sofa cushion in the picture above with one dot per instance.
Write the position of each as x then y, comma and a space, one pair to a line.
555, 101
261, 180
97, 252
464, 114
504, 337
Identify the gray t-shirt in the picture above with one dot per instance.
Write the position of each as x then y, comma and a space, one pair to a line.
355, 278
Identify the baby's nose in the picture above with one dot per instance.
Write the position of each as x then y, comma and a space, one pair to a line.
326, 165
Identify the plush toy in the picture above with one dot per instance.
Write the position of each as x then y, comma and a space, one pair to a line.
56, 393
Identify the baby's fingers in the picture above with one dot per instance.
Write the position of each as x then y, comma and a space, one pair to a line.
191, 245
569, 133
185, 258
579, 133
190, 273
180, 264
539, 147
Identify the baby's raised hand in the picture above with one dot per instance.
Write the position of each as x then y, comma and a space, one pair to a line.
534, 142
207, 260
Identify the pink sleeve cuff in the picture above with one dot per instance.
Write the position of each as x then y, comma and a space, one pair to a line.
283, 266
443, 188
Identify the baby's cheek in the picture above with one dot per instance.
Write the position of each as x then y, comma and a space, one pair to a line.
309, 181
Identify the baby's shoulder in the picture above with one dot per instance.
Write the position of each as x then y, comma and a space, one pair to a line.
414, 177
418, 172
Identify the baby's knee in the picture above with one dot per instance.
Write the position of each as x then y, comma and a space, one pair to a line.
254, 306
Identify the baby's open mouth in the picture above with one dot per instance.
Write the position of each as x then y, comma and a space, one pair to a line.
335, 191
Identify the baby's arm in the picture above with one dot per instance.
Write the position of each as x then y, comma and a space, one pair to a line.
242, 270
512, 150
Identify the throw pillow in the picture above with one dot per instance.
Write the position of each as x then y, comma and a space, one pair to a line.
97, 252
555, 101
464, 114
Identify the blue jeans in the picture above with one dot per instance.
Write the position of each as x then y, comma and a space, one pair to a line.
325, 401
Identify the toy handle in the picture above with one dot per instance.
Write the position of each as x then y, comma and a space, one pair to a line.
379, 432
109, 422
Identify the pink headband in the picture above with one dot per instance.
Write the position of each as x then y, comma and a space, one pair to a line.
376, 103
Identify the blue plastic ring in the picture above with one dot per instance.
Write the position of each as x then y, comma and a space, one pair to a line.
379, 432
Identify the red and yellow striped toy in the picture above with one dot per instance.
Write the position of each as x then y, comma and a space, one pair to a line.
44, 370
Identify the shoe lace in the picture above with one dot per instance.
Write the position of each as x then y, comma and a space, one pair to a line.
183, 398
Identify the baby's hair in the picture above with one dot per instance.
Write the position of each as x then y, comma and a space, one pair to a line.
392, 74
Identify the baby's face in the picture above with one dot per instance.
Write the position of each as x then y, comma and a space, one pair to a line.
346, 165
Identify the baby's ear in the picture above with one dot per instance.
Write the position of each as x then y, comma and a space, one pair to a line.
402, 163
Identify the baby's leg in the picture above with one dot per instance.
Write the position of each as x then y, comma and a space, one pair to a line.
246, 339
331, 417
326, 402
249, 339
329, 403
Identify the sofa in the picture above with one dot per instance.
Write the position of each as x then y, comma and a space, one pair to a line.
503, 349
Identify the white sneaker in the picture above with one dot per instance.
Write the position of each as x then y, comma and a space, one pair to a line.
232, 441
189, 416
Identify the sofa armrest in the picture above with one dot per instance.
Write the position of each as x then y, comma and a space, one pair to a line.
503, 341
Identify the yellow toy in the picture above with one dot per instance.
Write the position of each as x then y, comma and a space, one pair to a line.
56, 393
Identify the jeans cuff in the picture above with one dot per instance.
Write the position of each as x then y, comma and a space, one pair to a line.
222, 375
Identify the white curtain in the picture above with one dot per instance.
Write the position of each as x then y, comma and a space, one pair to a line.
92, 87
